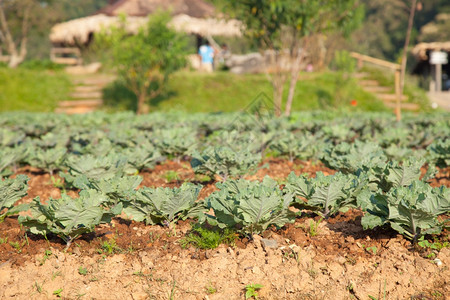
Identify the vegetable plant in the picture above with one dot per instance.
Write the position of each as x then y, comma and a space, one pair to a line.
165, 205
326, 194
411, 210
48, 160
250, 206
93, 167
12, 190
224, 162
68, 217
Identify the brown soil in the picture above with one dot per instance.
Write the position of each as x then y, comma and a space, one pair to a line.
129, 260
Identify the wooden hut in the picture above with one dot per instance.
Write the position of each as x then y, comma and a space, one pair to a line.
433, 64
195, 17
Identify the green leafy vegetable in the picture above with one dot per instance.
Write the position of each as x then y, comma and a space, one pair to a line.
250, 206
165, 205
225, 162
68, 217
411, 210
12, 190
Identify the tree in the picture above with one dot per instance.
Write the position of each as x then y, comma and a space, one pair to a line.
145, 60
283, 27
19, 12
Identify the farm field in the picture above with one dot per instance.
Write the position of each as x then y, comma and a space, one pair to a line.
318, 206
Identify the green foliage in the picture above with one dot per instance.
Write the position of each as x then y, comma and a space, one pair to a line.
47, 159
165, 205
117, 189
144, 60
175, 142
251, 290
69, 218
225, 162
326, 194
249, 206
10, 157
206, 238
294, 146
92, 167
411, 210
349, 157
12, 190
439, 152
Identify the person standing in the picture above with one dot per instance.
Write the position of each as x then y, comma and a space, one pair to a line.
206, 53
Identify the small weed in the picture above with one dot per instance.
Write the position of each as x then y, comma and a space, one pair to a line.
435, 245
3, 240
204, 238
251, 290
18, 246
172, 291
372, 250
58, 183
210, 289
82, 271
38, 287
202, 178
93, 279
56, 274
437, 295
153, 237
58, 292
109, 247
47, 254
313, 227
312, 272
172, 176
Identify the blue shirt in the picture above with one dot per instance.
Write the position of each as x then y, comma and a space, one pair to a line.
207, 53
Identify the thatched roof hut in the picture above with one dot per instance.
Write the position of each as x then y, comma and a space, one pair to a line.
421, 50
190, 16
142, 8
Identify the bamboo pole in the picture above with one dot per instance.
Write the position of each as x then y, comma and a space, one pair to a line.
398, 94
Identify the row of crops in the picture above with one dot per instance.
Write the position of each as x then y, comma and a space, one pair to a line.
378, 161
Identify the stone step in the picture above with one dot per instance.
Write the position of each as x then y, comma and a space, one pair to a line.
75, 110
404, 106
360, 75
87, 88
81, 103
391, 97
378, 89
86, 95
369, 82
93, 81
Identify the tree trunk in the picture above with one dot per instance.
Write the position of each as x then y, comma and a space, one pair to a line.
405, 46
295, 72
141, 103
278, 96
15, 60
16, 56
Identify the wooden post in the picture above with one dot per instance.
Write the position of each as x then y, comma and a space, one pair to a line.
398, 94
360, 63
438, 68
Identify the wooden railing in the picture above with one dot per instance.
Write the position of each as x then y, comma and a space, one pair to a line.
66, 56
361, 58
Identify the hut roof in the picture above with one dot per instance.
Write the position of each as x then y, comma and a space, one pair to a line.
421, 49
78, 31
193, 8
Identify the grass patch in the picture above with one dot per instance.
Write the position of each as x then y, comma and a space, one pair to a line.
226, 92
208, 238
32, 90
